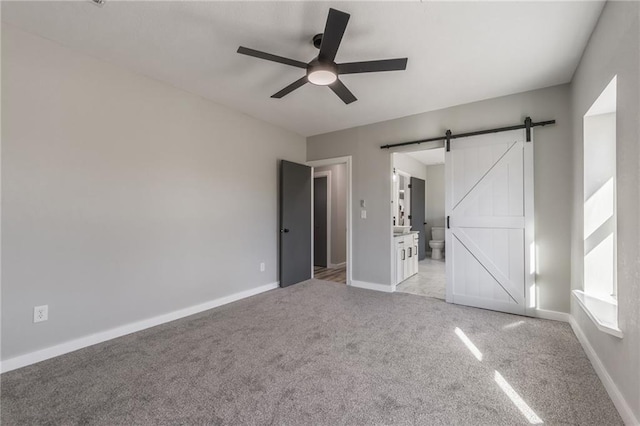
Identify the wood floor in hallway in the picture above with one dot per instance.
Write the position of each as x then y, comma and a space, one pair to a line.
336, 275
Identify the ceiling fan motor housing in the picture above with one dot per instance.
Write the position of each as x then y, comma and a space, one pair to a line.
317, 41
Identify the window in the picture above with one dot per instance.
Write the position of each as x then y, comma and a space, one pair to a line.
598, 297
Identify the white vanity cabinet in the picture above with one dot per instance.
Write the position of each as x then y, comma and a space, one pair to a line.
401, 255
406, 256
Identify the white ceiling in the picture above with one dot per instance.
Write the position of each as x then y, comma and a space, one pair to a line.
458, 52
428, 157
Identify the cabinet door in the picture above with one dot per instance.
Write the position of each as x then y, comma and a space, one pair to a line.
400, 262
407, 261
416, 247
412, 255
414, 258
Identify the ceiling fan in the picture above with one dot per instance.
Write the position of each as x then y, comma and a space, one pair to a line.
322, 70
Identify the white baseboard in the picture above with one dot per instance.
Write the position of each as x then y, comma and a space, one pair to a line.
614, 393
553, 315
103, 336
336, 265
372, 286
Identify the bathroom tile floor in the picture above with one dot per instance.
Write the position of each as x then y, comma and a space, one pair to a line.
429, 281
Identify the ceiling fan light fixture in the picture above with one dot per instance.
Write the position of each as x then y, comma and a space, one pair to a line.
322, 73
322, 77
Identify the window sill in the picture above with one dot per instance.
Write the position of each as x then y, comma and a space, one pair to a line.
603, 313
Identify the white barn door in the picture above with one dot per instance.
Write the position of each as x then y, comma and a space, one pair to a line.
489, 238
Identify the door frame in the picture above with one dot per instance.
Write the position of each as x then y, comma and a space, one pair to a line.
326, 174
331, 162
425, 146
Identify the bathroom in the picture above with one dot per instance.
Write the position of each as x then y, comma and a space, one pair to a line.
418, 215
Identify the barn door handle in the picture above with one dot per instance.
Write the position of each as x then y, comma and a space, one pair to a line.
448, 222
284, 231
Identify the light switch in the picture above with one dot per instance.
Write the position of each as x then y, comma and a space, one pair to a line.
363, 203
363, 214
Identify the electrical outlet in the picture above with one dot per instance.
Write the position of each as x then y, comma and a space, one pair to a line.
41, 313
262, 267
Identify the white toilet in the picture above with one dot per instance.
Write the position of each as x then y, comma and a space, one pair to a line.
437, 244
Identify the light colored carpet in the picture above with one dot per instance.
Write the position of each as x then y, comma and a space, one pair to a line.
324, 354
429, 281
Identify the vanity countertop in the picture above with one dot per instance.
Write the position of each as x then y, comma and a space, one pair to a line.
408, 233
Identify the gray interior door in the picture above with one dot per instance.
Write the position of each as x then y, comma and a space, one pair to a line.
320, 221
295, 223
417, 214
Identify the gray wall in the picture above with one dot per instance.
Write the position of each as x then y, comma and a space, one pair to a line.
435, 199
553, 186
124, 198
338, 211
613, 50
408, 164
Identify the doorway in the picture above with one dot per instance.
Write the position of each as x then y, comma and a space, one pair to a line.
332, 219
419, 211
321, 218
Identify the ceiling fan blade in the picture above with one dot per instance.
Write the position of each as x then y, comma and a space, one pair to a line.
269, 57
373, 66
332, 36
343, 93
290, 88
